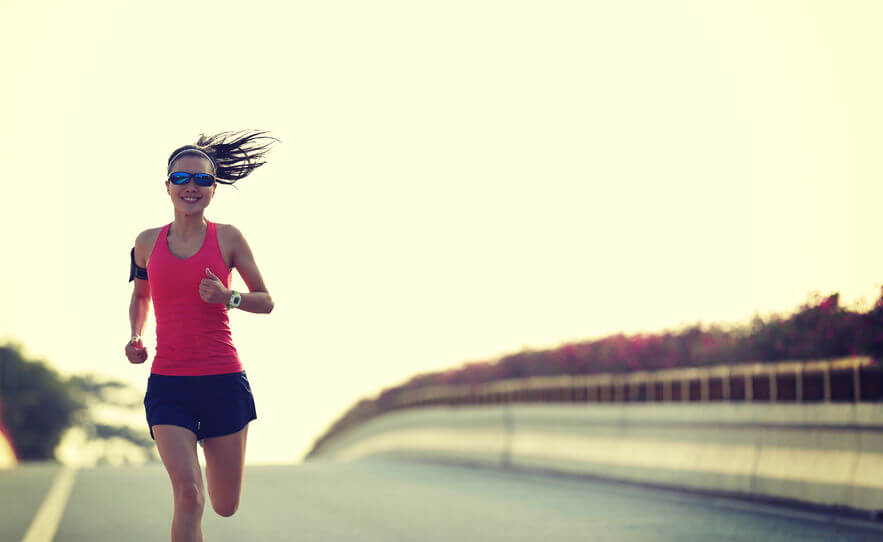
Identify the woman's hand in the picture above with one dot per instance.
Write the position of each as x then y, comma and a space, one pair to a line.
212, 290
136, 352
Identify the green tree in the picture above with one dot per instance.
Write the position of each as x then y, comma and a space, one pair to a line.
39, 405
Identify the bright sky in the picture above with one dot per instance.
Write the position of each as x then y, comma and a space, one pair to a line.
456, 180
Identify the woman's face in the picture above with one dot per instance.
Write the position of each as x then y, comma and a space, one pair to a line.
191, 164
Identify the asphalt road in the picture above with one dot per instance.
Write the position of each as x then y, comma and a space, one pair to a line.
385, 500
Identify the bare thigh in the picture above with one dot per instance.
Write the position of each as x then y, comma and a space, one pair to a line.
177, 447
224, 464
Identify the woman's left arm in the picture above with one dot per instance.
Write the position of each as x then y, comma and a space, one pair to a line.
257, 299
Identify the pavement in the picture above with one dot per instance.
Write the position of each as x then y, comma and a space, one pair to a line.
395, 500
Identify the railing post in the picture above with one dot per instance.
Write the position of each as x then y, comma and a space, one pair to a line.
774, 377
856, 384
827, 382
725, 384
651, 389
749, 386
798, 383
703, 386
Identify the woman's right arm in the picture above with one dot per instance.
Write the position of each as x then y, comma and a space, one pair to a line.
139, 305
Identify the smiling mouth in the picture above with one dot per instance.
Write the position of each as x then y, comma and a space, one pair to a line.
194, 200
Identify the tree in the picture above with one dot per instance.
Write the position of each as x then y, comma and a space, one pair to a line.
39, 406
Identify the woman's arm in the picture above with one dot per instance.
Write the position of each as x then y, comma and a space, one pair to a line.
138, 308
140, 303
257, 299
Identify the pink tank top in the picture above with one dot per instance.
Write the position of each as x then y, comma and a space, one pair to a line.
192, 336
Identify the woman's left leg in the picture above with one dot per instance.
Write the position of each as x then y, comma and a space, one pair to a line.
224, 465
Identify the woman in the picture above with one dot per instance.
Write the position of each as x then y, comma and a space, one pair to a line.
197, 389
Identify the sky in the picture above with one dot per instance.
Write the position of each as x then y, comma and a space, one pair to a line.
455, 180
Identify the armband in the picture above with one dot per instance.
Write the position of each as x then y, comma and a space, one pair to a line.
135, 271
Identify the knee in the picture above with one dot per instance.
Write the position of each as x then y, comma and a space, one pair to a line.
189, 498
225, 509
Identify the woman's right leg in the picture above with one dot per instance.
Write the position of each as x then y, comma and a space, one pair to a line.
177, 447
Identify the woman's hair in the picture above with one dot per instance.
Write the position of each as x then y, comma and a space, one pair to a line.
234, 155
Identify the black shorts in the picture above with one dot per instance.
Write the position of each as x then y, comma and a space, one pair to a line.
208, 405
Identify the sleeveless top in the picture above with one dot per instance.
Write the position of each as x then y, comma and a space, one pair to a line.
192, 336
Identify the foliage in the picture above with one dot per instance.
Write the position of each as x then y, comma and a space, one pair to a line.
39, 405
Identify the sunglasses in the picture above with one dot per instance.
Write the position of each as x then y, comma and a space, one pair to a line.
201, 179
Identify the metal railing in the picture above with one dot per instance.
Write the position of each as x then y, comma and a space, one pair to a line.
849, 379
838, 379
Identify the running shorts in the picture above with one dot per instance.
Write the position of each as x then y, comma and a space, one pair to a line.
208, 405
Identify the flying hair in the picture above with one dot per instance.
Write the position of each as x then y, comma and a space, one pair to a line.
234, 154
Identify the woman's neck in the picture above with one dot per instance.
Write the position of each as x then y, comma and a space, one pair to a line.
188, 226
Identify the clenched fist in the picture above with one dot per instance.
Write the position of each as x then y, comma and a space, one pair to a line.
212, 290
136, 352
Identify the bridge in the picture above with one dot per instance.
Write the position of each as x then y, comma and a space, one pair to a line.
773, 451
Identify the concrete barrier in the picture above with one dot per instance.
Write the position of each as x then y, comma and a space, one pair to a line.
827, 454
469, 434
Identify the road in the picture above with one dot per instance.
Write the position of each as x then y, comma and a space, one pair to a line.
385, 500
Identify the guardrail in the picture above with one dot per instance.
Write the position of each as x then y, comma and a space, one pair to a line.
809, 431
851, 379
828, 454
847, 379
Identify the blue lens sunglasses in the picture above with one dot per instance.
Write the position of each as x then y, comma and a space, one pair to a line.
201, 179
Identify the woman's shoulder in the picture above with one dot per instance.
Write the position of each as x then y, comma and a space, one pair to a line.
144, 243
229, 240
228, 231
148, 235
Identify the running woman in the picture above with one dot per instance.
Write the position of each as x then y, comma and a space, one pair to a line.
197, 389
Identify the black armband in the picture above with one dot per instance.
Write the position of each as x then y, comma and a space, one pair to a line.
135, 271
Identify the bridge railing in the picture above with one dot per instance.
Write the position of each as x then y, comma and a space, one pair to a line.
852, 379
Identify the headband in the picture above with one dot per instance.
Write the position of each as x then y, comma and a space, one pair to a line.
177, 154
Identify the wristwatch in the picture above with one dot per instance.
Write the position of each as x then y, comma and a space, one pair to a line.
235, 300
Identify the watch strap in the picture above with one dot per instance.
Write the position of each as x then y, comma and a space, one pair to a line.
235, 300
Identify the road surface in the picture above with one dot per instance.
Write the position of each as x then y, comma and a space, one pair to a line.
386, 500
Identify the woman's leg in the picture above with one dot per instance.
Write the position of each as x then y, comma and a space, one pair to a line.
224, 464
177, 447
